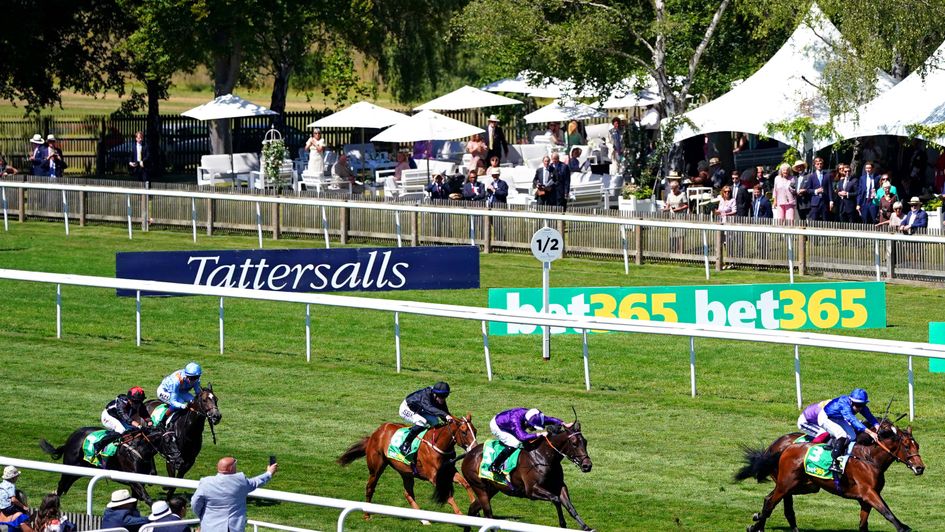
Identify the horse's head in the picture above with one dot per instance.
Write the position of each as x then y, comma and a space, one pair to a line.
902, 445
206, 404
569, 441
463, 431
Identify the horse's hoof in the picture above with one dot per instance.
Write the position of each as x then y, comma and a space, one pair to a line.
425, 522
367, 517
755, 517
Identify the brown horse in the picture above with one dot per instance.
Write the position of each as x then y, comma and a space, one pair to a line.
435, 462
538, 475
863, 478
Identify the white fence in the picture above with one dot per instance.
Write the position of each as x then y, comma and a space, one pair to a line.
485, 315
346, 507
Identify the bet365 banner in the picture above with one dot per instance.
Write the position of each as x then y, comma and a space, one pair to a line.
754, 306
308, 270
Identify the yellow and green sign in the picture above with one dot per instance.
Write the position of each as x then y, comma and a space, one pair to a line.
754, 306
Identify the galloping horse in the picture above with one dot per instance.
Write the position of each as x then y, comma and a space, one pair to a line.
135, 455
538, 476
435, 459
187, 425
863, 478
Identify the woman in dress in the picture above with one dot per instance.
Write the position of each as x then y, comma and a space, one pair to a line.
726, 204
574, 137
677, 204
316, 146
477, 148
402, 164
886, 201
783, 194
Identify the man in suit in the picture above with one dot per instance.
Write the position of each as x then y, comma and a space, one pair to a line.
544, 183
38, 155
473, 190
916, 218
818, 186
220, 501
760, 204
869, 182
742, 197
495, 139
139, 158
716, 173
497, 191
562, 180
437, 189
848, 190
122, 512
802, 191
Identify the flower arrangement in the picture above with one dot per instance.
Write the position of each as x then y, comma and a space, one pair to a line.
632, 190
273, 153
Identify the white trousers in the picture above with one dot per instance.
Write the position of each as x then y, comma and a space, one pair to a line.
414, 418
807, 427
112, 423
507, 439
838, 428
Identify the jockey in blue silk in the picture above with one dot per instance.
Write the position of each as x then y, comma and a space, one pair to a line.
175, 390
838, 418
511, 428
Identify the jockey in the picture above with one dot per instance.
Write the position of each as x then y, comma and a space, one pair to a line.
838, 417
119, 416
807, 422
424, 408
510, 428
174, 389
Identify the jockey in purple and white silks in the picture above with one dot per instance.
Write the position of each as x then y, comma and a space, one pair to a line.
838, 418
511, 428
175, 390
808, 424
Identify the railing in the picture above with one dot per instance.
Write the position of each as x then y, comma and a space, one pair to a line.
256, 525
346, 507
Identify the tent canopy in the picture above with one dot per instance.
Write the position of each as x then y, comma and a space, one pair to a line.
227, 106
559, 111
785, 88
363, 115
427, 125
466, 98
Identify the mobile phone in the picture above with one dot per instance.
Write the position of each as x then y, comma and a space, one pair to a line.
272, 459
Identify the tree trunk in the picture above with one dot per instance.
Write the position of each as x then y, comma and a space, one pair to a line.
226, 69
153, 134
280, 88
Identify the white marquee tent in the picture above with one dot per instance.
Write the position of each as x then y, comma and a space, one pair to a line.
561, 111
915, 100
785, 88
227, 106
466, 98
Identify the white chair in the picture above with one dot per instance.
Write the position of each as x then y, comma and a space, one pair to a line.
244, 164
260, 180
215, 170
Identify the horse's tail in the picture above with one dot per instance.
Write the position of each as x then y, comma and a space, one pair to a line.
443, 483
55, 452
759, 463
354, 452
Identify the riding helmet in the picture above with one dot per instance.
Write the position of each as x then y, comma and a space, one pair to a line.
136, 394
441, 388
192, 370
858, 395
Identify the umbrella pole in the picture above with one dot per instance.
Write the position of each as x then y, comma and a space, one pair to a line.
361, 170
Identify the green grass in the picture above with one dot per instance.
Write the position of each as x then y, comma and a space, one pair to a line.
662, 460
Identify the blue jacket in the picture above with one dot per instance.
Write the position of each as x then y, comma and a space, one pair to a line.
175, 384
841, 408
763, 205
123, 518
918, 218
38, 160
861, 197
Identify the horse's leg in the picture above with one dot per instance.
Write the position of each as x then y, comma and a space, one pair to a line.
561, 522
376, 465
789, 512
65, 482
876, 501
461, 480
864, 516
566, 501
771, 501
139, 492
408, 493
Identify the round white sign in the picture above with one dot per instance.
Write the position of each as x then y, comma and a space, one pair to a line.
547, 244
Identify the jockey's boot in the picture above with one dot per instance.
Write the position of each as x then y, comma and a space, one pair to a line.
839, 449
408, 440
504, 454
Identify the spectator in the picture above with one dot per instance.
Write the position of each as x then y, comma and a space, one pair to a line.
818, 186
895, 218
716, 173
677, 204
574, 137
477, 148
495, 139
783, 194
615, 140
574, 161
497, 191
555, 134
562, 180
55, 165
437, 189
916, 218
847, 191
122, 512
38, 155
423, 149
13, 512
139, 158
726, 204
178, 504
544, 183
760, 205
342, 173
5, 168
741, 143
220, 501
161, 513
402, 164
802, 194
886, 202
865, 205
473, 190
741, 195
315, 146
49, 517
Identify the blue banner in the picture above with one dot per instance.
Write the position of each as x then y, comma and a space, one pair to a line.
307, 270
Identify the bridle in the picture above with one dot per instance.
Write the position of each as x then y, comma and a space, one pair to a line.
575, 461
462, 421
905, 460
144, 436
205, 414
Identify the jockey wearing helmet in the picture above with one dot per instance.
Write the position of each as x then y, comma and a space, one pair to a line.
123, 412
838, 418
175, 388
424, 408
511, 428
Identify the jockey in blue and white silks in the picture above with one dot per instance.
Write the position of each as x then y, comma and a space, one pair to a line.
175, 388
838, 418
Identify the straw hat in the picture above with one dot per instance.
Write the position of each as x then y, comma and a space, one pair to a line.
37, 139
495, 171
799, 163
714, 161
50, 137
913, 201
493, 118
120, 498
158, 510
10, 472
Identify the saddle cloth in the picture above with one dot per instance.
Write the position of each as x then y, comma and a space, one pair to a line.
490, 450
818, 459
393, 449
88, 448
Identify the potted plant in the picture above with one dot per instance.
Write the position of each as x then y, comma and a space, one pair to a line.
934, 209
273, 154
634, 197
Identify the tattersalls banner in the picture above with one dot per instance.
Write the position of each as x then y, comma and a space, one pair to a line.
308, 270
754, 306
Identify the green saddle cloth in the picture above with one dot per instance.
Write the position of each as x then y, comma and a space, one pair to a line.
88, 448
490, 450
393, 449
803, 439
157, 415
817, 462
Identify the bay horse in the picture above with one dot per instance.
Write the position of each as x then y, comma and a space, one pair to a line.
436, 459
538, 476
863, 478
187, 425
135, 454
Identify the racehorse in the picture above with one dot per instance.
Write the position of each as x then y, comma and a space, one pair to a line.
538, 476
435, 462
187, 425
135, 454
863, 478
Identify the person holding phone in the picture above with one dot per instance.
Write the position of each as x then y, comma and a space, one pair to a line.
220, 500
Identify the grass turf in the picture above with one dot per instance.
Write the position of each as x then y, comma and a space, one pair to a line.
662, 460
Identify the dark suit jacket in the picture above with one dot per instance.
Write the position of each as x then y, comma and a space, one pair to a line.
918, 219
438, 191
474, 193
562, 180
60, 164
145, 163
861, 197
848, 204
539, 180
123, 518
38, 159
501, 192
500, 146
812, 183
742, 201
763, 207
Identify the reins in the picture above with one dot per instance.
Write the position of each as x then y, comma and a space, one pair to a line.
209, 422
573, 460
